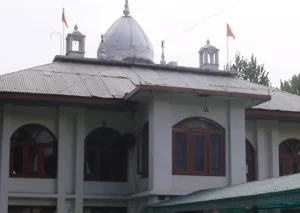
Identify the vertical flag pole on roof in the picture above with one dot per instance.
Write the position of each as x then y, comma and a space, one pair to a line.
64, 21
229, 34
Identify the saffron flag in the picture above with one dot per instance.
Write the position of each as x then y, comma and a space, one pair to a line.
229, 32
63, 18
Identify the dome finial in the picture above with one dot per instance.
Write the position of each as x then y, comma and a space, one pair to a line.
101, 49
208, 41
126, 10
76, 27
163, 61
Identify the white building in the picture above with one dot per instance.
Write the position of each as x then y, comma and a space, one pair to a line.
118, 132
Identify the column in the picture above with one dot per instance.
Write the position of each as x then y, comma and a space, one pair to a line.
237, 145
274, 150
80, 137
6, 133
201, 58
62, 131
160, 146
217, 58
262, 151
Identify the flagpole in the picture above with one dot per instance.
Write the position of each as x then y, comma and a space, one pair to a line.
227, 52
63, 39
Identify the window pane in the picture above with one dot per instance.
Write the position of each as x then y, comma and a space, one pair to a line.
22, 135
181, 151
293, 166
215, 153
281, 167
198, 124
145, 153
44, 137
199, 152
284, 149
140, 152
105, 164
90, 168
49, 161
33, 159
121, 167
18, 160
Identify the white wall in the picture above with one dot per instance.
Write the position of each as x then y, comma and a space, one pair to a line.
166, 112
266, 136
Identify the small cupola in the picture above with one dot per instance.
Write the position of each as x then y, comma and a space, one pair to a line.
209, 57
75, 43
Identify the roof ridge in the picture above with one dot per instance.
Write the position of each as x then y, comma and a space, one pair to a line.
279, 90
29, 68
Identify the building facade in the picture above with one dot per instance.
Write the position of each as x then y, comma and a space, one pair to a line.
119, 132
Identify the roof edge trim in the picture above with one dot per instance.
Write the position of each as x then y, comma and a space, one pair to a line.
194, 91
272, 114
70, 59
59, 99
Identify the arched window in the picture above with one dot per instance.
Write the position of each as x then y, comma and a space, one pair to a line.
289, 157
198, 148
250, 162
143, 151
105, 156
33, 152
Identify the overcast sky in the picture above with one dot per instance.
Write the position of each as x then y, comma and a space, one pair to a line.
268, 29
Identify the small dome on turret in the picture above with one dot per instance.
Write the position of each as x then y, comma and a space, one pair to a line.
208, 46
125, 40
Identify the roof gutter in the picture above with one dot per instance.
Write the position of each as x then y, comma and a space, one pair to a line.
255, 113
63, 99
158, 88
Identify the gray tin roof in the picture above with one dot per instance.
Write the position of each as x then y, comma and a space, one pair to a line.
114, 81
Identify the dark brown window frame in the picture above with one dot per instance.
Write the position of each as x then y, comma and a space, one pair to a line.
251, 164
292, 156
41, 154
206, 133
143, 145
114, 149
49, 209
106, 209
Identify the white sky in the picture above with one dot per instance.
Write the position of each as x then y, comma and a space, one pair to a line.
269, 29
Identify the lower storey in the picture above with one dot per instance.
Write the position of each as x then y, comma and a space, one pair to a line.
55, 205
52, 209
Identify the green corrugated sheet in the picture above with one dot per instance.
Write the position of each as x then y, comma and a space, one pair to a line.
263, 194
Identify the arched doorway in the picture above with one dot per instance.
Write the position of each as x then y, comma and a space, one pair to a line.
105, 156
289, 157
250, 162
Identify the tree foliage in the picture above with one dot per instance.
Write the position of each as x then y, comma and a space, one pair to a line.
292, 85
250, 70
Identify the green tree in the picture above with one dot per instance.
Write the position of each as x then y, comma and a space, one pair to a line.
250, 70
292, 85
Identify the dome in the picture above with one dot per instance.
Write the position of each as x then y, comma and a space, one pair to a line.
208, 46
125, 40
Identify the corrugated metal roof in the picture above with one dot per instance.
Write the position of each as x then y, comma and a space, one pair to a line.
108, 81
275, 185
282, 101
